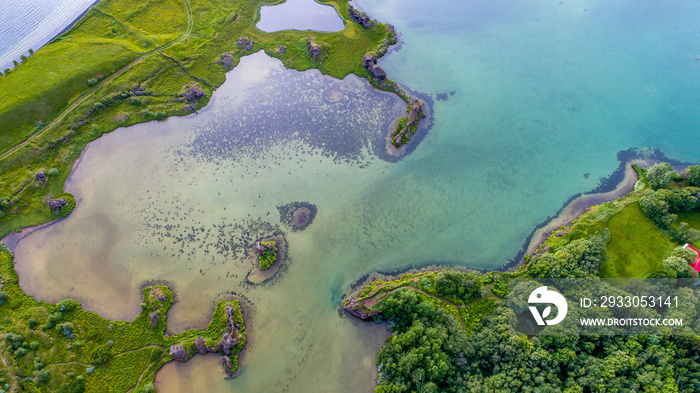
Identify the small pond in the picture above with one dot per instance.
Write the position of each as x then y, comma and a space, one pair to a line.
299, 15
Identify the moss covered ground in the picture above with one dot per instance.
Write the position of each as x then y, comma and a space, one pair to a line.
63, 348
126, 62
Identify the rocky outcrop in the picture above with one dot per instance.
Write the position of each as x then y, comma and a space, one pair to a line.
154, 318
358, 309
369, 61
226, 362
226, 60
200, 344
41, 176
227, 343
245, 43
314, 49
281, 49
56, 204
178, 353
416, 112
192, 91
414, 115
259, 248
361, 18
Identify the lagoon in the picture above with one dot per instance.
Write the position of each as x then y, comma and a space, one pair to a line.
531, 104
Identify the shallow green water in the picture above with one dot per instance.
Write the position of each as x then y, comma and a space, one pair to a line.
545, 95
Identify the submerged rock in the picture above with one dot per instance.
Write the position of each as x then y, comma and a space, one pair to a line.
178, 353
297, 215
301, 217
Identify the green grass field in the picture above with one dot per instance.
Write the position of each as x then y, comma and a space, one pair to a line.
637, 247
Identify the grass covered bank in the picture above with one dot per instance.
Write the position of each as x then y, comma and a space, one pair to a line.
62, 348
133, 61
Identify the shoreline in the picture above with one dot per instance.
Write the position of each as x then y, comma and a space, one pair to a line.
71, 24
609, 189
576, 207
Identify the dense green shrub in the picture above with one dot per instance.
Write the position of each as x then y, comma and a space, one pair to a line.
43, 376
14, 340
685, 234
660, 175
657, 209
693, 178
32, 323
102, 354
580, 258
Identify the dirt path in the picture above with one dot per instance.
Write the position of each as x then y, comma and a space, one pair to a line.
9, 371
89, 94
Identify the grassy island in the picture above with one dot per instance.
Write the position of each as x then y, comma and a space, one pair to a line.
267, 253
133, 61
62, 348
451, 331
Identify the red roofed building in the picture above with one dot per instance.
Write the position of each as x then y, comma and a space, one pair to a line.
696, 264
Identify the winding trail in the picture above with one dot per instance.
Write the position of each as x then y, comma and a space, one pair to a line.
9, 371
91, 92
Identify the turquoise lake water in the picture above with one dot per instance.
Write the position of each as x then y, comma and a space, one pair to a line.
531, 102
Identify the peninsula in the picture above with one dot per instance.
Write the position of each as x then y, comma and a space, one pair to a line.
451, 328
